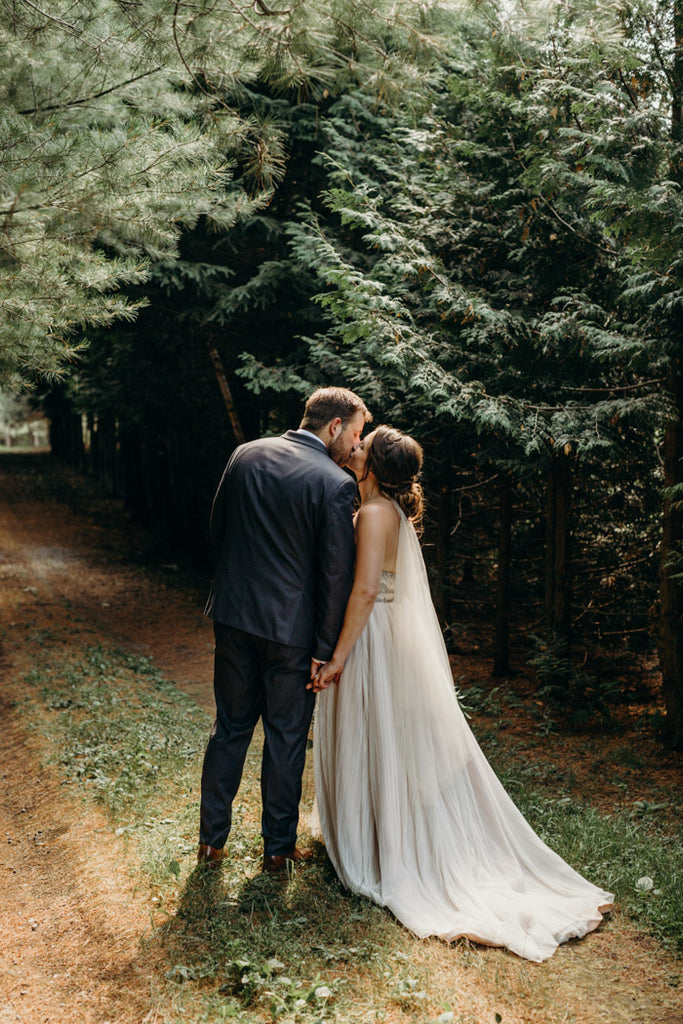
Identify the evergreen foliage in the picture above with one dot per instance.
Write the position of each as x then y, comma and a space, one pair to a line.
477, 265
469, 214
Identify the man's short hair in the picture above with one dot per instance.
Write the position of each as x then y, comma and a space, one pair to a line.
326, 404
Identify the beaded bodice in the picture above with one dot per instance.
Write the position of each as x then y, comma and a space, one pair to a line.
387, 583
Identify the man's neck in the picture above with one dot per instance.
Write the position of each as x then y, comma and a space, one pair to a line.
310, 433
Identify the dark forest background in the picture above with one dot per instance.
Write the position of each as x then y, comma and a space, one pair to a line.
468, 213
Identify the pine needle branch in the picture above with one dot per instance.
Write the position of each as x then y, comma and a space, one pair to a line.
51, 17
265, 9
554, 212
654, 39
93, 97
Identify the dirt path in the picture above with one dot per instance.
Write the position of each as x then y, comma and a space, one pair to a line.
70, 563
73, 915
70, 918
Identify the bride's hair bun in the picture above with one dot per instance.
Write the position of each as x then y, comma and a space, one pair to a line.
396, 460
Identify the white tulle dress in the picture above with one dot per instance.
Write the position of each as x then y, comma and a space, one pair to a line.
411, 813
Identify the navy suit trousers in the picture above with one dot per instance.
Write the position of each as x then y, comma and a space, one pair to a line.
256, 678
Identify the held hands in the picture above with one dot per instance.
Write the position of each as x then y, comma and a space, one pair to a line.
322, 675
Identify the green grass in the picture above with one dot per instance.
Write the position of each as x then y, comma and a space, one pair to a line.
242, 946
134, 743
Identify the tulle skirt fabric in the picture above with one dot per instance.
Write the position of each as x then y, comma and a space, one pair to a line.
411, 813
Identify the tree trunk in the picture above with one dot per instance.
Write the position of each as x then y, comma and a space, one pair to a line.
134, 480
66, 429
226, 393
677, 88
558, 582
671, 590
501, 651
467, 562
443, 540
106, 442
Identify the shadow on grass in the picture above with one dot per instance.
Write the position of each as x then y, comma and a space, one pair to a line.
277, 941
303, 918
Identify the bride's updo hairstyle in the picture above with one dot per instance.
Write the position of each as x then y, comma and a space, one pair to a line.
396, 459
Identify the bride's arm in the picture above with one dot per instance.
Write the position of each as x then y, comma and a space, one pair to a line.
372, 526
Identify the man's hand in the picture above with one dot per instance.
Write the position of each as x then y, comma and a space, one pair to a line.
316, 665
322, 675
315, 669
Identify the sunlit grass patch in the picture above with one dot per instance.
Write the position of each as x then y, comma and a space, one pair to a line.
123, 726
133, 742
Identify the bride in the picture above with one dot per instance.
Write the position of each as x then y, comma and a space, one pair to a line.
412, 815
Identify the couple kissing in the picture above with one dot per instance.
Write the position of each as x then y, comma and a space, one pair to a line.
310, 598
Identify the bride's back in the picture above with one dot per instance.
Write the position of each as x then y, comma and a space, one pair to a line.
386, 524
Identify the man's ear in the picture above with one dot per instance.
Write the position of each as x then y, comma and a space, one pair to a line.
335, 427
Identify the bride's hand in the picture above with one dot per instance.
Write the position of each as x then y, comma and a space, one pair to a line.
326, 674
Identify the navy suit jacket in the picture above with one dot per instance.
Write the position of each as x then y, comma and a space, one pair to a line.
282, 524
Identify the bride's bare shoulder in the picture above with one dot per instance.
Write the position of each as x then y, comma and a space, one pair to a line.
377, 514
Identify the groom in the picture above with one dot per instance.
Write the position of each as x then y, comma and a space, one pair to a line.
282, 521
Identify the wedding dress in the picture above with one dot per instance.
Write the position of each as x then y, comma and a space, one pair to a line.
411, 813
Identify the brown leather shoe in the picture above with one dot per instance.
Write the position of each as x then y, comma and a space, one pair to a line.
209, 855
280, 861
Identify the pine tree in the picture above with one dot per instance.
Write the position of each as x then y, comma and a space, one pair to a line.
452, 215
620, 144
148, 389
115, 133
463, 279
